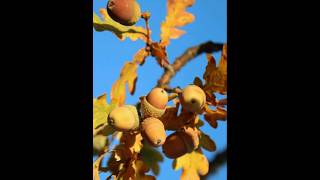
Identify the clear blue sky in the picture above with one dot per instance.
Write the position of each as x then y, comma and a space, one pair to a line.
109, 55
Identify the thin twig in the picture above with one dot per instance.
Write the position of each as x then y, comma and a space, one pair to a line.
188, 55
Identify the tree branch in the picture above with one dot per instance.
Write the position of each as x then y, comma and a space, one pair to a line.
188, 55
215, 163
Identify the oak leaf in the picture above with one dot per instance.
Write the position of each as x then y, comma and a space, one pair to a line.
216, 76
140, 56
176, 17
206, 142
151, 157
132, 141
121, 31
197, 81
159, 52
128, 76
101, 110
193, 164
141, 169
212, 116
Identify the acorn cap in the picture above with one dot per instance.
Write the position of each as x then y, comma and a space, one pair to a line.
148, 110
153, 130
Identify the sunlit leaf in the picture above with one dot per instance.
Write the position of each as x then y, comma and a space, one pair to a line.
176, 17
128, 76
101, 109
140, 56
193, 164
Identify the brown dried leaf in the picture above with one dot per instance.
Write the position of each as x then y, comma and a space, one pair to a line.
132, 141
176, 17
206, 142
170, 119
216, 77
159, 53
197, 81
212, 116
120, 156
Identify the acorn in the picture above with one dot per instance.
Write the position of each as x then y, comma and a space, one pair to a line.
124, 118
152, 129
125, 12
180, 143
154, 104
193, 98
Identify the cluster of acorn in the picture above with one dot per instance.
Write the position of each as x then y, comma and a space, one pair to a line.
153, 106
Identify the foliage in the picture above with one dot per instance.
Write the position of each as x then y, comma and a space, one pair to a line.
133, 157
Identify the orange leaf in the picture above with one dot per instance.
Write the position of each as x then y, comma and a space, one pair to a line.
159, 53
212, 116
176, 17
193, 164
118, 92
128, 76
140, 56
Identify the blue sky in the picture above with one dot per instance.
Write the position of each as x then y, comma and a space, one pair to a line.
109, 55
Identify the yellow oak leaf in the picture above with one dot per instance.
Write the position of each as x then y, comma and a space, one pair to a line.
121, 31
140, 56
176, 17
193, 164
128, 76
216, 76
